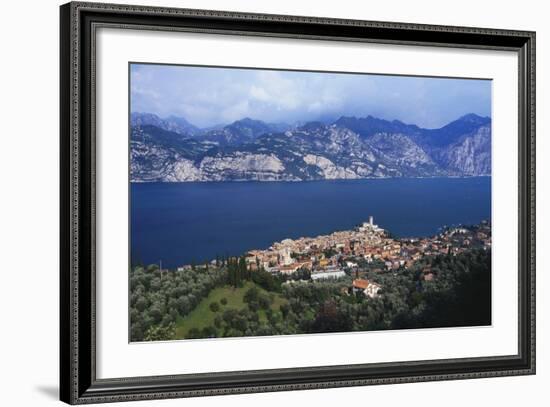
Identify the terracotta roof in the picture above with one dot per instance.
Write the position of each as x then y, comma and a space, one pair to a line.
360, 283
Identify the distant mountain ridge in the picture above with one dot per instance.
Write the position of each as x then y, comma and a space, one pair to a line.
172, 123
173, 150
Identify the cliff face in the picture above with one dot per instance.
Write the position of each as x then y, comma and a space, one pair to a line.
471, 155
349, 148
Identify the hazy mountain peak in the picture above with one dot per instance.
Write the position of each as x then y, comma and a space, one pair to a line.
474, 118
369, 126
248, 120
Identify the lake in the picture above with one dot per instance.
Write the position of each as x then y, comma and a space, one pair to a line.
179, 223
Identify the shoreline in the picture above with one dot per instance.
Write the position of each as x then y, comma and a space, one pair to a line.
352, 234
244, 181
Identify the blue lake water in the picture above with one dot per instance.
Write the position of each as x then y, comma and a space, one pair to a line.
183, 222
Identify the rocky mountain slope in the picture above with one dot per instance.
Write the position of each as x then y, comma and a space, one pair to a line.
349, 148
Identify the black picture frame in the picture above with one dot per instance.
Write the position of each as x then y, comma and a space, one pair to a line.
78, 382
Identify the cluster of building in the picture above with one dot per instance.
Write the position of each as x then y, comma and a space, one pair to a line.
318, 254
366, 248
330, 256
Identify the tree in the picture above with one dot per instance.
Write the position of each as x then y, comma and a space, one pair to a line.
253, 306
331, 319
168, 319
156, 312
209, 332
136, 332
264, 301
243, 269
154, 303
234, 272
141, 304
267, 281
160, 333
214, 307
285, 309
251, 295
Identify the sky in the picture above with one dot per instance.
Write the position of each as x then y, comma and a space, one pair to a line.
209, 96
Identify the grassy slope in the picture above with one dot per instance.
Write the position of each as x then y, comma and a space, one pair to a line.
201, 316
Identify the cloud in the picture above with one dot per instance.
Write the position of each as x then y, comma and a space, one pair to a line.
259, 93
236, 111
208, 96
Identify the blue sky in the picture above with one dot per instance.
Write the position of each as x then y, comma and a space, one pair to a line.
210, 96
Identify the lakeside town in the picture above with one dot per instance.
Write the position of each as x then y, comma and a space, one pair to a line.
368, 248
352, 280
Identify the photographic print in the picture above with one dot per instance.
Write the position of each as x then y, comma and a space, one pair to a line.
280, 202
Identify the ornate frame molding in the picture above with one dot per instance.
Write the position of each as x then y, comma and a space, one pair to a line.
79, 21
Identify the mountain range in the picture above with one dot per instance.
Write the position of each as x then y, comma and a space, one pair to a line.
173, 150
